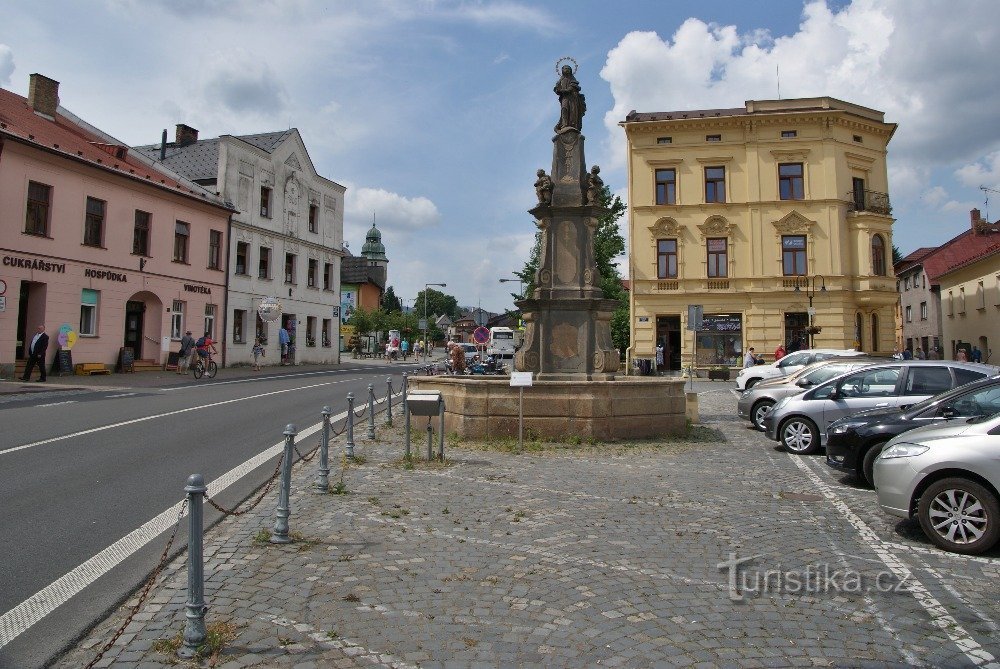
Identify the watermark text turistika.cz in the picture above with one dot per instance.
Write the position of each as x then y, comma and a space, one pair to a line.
814, 579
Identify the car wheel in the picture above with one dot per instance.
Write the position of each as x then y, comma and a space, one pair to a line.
799, 435
960, 516
751, 383
868, 463
758, 411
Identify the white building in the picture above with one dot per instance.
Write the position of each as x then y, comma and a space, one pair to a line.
286, 240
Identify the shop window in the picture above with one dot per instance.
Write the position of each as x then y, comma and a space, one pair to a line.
666, 258
790, 181
210, 320
88, 312
793, 255
39, 201
176, 319
666, 186
214, 249
242, 249
875, 332
796, 337
878, 255
264, 264
719, 342
239, 326
93, 223
715, 184
717, 258
140, 233
182, 231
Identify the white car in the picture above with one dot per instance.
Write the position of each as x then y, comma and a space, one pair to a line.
751, 376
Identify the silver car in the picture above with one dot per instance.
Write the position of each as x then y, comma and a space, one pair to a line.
748, 377
799, 422
948, 477
758, 400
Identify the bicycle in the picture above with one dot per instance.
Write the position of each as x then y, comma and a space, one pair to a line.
205, 365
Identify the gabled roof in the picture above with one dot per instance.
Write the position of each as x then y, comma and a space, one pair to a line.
913, 259
200, 159
74, 139
358, 269
959, 251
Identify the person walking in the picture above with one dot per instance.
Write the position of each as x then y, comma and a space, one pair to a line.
283, 340
960, 356
659, 356
779, 352
36, 355
749, 360
920, 355
258, 353
186, 355
977, 355
405, 348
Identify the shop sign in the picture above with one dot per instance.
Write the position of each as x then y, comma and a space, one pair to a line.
269, 309
104, 274
721, 323
190, 288
34, 263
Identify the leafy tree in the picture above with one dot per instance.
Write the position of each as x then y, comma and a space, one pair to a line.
896, 254
390, 302
437, 303
362, 321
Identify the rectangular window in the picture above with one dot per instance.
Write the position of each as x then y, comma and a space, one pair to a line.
88, 312
906, 283
664, 140
210, 320
181, 233
666, 258
857, 138
715, 184
961, 300
790, 183
326, 331
239, 326
981, 295
264, 264
265, 202
909, 314
242, 249
37, 218
140, 234
310, 330
312, 276
328, 276
717, 258
713, 138
313, 218
93, 223
923, 311
176, 319
666, 187
789, 134
289, 268
214, 249
858, 193
793, 255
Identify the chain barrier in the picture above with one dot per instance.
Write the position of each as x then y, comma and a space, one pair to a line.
364, 411
307, 458
267, 488
146, 589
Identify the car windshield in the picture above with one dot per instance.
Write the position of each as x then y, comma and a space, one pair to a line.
826, 372
796, 358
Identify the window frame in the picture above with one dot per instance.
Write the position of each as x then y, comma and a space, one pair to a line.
89, 312
328, 276
716, 185
923, 311
265, 201
909, 313
210, 314
663, 258
239, 326
38, 212
792, 186
141, 232
182, 241
717, 261
289, 269
313, 218
878, 255
312, 273
92, 220
214, 249
264, 263
245, 247
794, 253
177, 309
669, 194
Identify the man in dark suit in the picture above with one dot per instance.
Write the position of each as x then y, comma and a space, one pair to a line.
36, 354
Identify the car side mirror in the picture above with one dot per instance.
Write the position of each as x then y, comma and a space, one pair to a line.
834, 394
948, 413
804, 383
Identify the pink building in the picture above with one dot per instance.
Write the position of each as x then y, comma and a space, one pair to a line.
99, 241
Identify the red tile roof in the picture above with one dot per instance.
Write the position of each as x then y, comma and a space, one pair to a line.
959, 251
74, 139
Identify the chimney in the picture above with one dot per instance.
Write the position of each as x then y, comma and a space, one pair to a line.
43, 95
979, 225
185, 135
163, 146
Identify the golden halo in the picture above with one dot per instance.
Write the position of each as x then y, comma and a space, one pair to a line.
559, 63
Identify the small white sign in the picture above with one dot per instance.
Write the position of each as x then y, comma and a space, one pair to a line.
520, 379
3, 303
811, 311
3, 286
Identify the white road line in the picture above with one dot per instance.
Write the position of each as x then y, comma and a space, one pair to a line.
350, 648
168, 413
120, 395
939, 616
254, 379
16, 621
55, 404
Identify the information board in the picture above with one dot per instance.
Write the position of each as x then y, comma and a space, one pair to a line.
64, 362
126, 359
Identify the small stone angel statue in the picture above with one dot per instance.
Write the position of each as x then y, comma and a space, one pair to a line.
595, 186
543, 187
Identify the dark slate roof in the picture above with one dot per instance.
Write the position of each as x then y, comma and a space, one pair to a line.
200, 160
358, 269
688, 114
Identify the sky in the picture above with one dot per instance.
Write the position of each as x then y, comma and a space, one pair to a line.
435, 114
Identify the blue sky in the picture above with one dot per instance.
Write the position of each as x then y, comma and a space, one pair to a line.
436, 113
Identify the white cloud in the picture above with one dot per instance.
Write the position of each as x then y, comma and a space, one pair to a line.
242, 83
392, 211
501, 58
935, 196
984, 172
504, 14
6, 64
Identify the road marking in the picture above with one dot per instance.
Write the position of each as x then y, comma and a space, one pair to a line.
939, 616
55, 404
254, 379
350, 648
168, 413
16, 621
120, 395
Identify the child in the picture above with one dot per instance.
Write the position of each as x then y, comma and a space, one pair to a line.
258, 353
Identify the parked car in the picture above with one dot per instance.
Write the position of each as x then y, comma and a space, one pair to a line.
470, 352
948, 477
758, 400
751, 376
799, 422
853, 443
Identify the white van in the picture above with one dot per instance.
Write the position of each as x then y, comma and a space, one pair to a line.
501, 343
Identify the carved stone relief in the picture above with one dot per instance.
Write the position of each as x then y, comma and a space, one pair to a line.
665, 227
293, 162
792, 223
716, 227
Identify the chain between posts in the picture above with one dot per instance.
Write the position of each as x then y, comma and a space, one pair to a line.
145, 589
253, 505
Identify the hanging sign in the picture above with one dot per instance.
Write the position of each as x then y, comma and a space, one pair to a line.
269, 309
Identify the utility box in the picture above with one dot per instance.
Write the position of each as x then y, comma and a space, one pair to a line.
427, 403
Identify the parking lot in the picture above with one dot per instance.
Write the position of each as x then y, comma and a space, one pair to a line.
726, 552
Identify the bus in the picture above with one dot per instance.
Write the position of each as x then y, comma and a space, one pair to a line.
501, 343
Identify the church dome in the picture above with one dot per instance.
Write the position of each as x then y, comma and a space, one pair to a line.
373, 248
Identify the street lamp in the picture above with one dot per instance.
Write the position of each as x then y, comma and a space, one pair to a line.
810, 293
426, 286
520, 285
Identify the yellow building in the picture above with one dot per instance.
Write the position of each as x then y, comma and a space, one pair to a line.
755, 213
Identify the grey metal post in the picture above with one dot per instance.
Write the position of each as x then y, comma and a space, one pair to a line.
388, 401
194, 628
441, 431
405, 388
350, 425
371, 411
430, 441
323, 479
280, 535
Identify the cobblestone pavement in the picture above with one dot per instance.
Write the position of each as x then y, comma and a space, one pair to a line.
604, 556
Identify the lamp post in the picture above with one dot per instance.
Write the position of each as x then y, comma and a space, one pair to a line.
520, 286
426, 286
810, 293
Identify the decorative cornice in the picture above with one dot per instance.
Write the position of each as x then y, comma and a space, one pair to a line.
714, 160
792, 223
790, 154
716, 226
665, 227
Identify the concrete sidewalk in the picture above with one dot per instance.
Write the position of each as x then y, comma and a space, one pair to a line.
564, 556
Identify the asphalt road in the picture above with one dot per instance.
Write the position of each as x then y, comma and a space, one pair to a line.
82, 470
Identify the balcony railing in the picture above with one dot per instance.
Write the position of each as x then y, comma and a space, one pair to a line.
869, 201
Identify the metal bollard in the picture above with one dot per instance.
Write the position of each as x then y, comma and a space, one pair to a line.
350, 426
388, 401
323, 479
440, 432
280, 535
430, 441
194, 628
405, 387
371, 411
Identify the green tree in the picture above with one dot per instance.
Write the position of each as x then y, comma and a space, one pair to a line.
896, 254
390, 302
362, 321
437, 303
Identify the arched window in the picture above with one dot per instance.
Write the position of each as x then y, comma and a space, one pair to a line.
874, 332
859, 325
878, 255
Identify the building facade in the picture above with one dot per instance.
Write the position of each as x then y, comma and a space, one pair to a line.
919, 304
773, 217
286, 242
104, 248
363, 281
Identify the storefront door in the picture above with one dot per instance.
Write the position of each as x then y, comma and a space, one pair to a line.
134, 313
668, 333
795, 331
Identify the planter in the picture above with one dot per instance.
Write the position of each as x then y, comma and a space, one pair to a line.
718, 375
